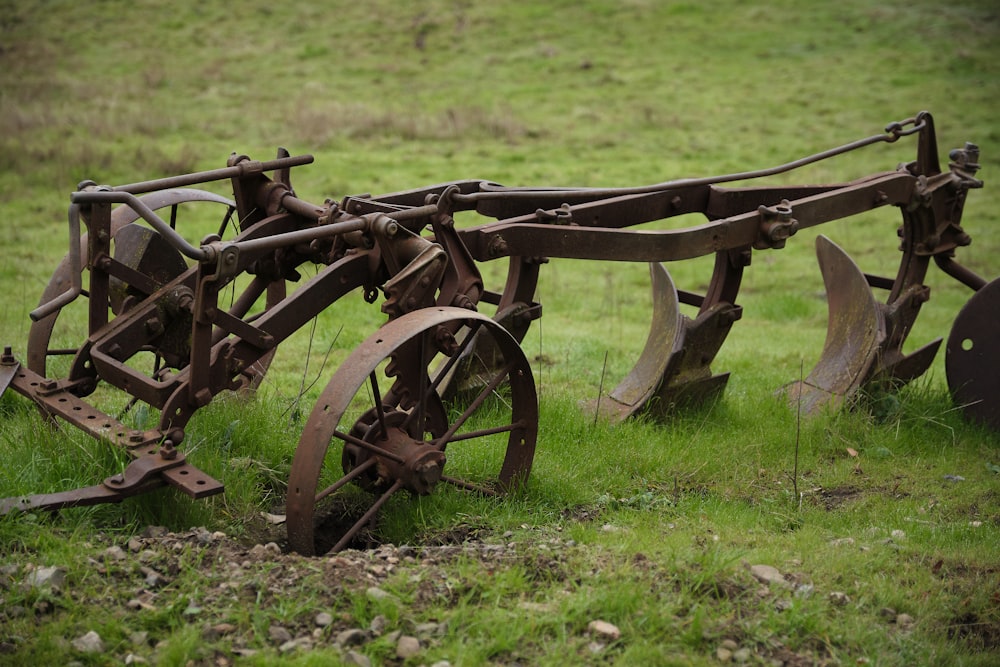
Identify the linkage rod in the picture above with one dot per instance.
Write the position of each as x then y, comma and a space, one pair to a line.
893, 132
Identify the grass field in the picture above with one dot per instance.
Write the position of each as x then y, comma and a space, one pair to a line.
649, 526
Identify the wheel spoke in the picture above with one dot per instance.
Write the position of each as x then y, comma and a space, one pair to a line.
417, 430
476, 403
443, 372
356, 472
374, 449
468, 486
481, 433
61, 351
454, 359
349, 535
379, 409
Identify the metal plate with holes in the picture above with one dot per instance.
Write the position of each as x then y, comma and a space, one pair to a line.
972, 358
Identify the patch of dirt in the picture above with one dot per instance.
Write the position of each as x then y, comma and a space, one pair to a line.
975, 632
831, 499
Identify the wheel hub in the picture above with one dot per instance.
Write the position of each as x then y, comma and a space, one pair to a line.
419, 465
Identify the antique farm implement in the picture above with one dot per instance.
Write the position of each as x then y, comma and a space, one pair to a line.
172, 324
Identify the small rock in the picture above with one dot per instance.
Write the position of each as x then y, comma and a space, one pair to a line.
153, 578
323, 619
804, 590
378, 625
132, 659
441, 663
15, 611
352, 637
220, 630
43, 607
954, 478
767, 574
596, 647
741, 655
134, 545
278, 634
407, 647
888, 613
140, 638
357, 659
905, 621
89, 643
426, 630
838, 599
782, 604
729, 645
723, 654
295, 644
155, 531
898, 534
842, 542
604, 630
376, 594
115, 553
260, 552
54, 577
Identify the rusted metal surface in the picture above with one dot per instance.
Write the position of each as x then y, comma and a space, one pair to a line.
388, 425
162, 330
972, 357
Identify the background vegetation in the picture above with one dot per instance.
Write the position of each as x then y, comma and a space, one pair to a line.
389, 96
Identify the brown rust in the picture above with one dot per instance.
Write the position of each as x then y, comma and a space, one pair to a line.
152, 294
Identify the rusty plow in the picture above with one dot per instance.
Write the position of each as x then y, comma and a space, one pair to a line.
170, 295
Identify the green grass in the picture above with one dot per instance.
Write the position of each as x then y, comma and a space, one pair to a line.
646, 525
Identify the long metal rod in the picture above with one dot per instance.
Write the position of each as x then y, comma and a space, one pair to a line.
75, 271
244, 168
893, 132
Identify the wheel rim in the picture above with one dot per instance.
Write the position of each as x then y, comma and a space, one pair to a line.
382, 424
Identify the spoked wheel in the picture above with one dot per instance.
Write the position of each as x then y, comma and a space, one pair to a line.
59, 335
382, 424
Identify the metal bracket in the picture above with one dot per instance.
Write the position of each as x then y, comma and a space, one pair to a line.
776, 226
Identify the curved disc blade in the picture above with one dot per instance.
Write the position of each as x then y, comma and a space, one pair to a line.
664, 340
855, 329
972, 357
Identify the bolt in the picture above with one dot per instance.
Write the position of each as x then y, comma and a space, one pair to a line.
498, 247
7, 359
167, 450
154, 327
